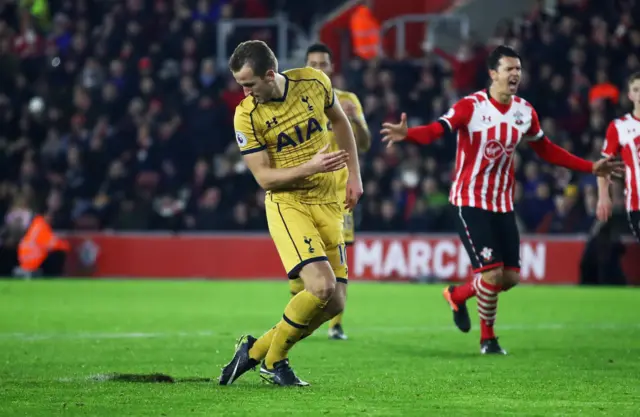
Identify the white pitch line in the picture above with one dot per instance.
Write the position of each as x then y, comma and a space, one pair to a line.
30, 337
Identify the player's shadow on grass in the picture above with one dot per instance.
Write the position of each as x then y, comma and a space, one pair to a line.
148, 378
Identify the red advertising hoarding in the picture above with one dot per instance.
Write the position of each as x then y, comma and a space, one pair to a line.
373, 257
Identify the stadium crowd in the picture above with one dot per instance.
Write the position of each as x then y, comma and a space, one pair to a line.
116, 116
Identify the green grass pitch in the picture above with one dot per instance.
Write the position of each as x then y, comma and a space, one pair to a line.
572, 351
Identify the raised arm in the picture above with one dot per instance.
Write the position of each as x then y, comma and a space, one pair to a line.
459, 115
557, 155
551, 152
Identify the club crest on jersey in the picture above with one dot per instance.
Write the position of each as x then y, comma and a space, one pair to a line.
241, 139
308, 241
518, 116
486, 254
493, 150
305, 100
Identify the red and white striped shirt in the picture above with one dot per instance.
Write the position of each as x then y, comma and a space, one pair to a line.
488, 133
623, 138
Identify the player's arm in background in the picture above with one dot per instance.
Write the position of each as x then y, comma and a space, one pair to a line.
459, 115
557, 155
344, 138
610, 148
257, 158
354, 111
551, 152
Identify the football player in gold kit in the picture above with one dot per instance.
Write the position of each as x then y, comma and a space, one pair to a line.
282, 134
319, 56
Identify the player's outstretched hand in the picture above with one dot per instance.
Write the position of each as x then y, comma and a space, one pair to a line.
607, 167
395, 132
604, 208
328, 162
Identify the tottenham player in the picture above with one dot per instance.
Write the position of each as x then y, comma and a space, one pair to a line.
490, 124
623, 138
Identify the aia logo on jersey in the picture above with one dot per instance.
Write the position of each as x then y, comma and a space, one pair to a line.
518, 116
300, 134
494, 150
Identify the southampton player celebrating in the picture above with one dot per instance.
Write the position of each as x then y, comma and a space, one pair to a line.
490, 124
319, 57
623, 138
282, 135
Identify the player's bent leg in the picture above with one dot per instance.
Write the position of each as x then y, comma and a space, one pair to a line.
336, 331
476, 234
318, 279
260, 348
488, 287
300, 247
319, 284
510, 278
334, 307
332, 311
296, 285
336, 328
506, 239
337, 233
456, 297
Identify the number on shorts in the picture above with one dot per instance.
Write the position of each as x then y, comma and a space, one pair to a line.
342, 249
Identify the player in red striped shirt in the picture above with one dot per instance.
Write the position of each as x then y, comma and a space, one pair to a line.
490, 124
623, 138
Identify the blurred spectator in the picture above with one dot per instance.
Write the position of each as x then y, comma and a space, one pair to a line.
117, 115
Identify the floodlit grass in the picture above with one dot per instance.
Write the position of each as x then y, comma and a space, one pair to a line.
572, 351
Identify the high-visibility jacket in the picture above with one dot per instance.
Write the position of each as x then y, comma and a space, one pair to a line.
35, 245
365, 33
604, 91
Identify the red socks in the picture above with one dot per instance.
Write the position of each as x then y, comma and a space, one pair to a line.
463, 292
487, 297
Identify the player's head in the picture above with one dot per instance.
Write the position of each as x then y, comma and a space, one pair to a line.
254, 66
320, 57
505, 69
634, 89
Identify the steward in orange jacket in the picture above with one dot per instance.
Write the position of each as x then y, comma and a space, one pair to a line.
37, 243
